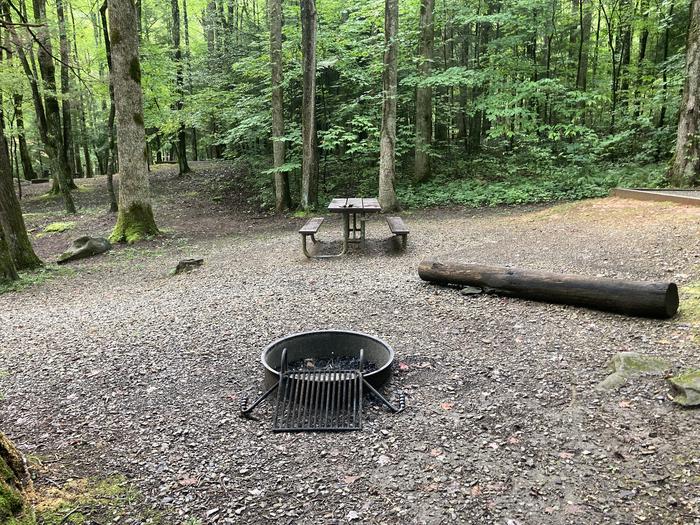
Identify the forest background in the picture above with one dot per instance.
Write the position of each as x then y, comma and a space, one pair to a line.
526, 100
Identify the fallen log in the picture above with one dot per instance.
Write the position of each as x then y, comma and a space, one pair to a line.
639, 298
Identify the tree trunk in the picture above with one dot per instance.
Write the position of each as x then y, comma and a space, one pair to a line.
27, 168
585, 18
54, 134
179, 89
309, 161
15, 481
282, 197
664, 81
84, 142
68, 149
643, 40
685, 169
647, 299
8, 272
625, 59
135, 217
424, 94
11, 219
387, 141
110, 155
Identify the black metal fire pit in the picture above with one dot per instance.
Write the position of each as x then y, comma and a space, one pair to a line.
321, 378
328, 344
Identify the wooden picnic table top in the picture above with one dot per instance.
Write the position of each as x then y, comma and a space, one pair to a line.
354, 204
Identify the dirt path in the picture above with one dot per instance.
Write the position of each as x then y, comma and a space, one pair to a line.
121, 369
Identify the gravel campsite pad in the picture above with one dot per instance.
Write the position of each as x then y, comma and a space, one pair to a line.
119, 369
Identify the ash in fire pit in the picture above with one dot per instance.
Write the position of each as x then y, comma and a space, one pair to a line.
332, 363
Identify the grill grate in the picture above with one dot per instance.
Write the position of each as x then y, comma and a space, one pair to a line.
318, 400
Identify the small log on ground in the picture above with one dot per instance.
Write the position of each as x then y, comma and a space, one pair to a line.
646, 299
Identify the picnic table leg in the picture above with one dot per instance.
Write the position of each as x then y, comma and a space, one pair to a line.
363, 220
346, 232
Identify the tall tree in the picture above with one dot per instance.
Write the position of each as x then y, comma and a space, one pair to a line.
110, 155
135, 219
48, 113
424, 93
64, 53
282, 198
81, 105
585, 16
11, 219
179, 89
309, 160
685, 169
387, 141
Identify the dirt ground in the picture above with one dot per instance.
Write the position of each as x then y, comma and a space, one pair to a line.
116, 368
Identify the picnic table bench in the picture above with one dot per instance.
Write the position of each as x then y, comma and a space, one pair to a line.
310, 229
399, 229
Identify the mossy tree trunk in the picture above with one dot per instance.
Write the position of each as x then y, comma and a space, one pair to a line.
15, 482
135, 219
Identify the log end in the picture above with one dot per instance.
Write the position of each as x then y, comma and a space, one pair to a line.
672, 300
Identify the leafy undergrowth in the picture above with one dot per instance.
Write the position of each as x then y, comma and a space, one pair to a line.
488, 179
34, 277
557, 185
84, 501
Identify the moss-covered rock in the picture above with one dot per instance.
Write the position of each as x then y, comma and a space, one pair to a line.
687, 386
624, 365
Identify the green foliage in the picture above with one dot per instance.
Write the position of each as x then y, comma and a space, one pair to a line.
481, 188
504, 84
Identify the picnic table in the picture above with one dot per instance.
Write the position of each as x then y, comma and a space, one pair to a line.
354, 206
354, 211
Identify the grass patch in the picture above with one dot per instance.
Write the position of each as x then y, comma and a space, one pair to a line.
84, 501
34, 278
58, 227
689, 311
